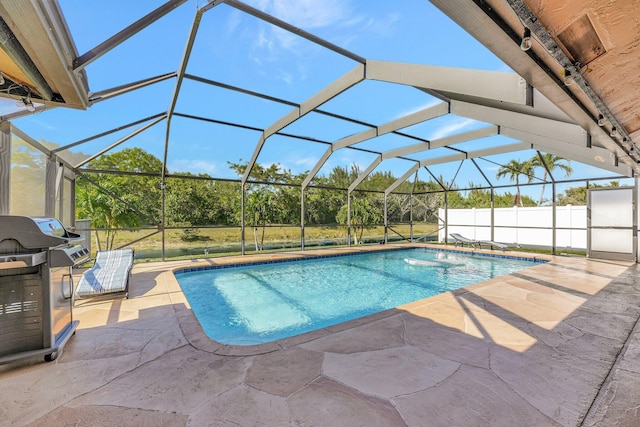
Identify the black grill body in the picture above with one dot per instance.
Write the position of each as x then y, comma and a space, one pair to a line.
36, 286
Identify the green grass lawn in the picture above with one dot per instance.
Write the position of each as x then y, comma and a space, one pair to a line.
226, 241
223, 241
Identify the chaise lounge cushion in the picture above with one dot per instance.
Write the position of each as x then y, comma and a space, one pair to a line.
110, 273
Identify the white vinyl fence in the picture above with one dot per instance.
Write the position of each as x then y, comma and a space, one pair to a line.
520, 226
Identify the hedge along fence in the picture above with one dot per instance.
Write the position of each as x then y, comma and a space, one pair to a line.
518, 226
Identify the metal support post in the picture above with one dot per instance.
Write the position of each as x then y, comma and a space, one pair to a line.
349, 219
163, 185
386, 222
302, 219
242, 242
5, 167
553, 218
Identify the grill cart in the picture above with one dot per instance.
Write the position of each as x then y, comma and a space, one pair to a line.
36, 286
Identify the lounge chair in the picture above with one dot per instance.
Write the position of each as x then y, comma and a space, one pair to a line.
110, 274
461, 240
493, 244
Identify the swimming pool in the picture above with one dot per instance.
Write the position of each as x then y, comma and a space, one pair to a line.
255, 304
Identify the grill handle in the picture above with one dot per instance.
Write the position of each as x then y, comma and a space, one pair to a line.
62, 288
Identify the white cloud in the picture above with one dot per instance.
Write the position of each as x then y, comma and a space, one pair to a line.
294, 164
453, 127
418, 108
305, 162
383, 27
348, 162
269, 43
306, 14
233, 22
285, 76
193, 166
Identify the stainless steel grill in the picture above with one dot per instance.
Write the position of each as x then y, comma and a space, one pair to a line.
36, 286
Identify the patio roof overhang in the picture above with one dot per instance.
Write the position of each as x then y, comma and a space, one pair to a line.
36, 51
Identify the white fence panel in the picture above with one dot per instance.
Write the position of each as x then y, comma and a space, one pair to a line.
530, 226
483, 217
535, 217
503, 216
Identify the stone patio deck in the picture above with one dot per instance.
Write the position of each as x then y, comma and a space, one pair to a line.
557, 344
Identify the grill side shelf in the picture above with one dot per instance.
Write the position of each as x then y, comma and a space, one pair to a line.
22, 260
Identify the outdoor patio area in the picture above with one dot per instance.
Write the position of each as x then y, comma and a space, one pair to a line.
556, 344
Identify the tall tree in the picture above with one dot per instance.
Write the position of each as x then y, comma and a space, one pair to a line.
513, 170
192, 202
285, 199
260, 210
144, 190
364, 214
123, 200
552, 163
104, 210
577, 196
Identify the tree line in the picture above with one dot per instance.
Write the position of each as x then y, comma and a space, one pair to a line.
134, 197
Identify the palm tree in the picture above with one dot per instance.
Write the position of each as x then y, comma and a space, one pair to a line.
553, 162
260, 203
513, 170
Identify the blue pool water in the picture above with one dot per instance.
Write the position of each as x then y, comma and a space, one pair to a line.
253, 304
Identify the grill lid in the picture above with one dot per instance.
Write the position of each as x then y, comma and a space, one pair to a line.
35, 232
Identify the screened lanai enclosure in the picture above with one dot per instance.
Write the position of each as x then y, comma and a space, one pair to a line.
199, 128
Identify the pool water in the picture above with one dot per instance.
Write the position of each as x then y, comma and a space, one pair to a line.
254, 304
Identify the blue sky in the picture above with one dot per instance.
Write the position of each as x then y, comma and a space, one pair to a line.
237, 49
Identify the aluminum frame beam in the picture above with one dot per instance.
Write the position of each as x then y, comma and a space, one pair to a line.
351, 78
402, 179
445, 141
5, 167
492, 151
364, 174
91, 55
119, 90
109, 132
423, 115
176, 90
120, 141
594, 156
539, 106
50, 185
35, 144
519, 146
441, 142
551, 136
559, 131
24, 112
497, 88
495, 85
